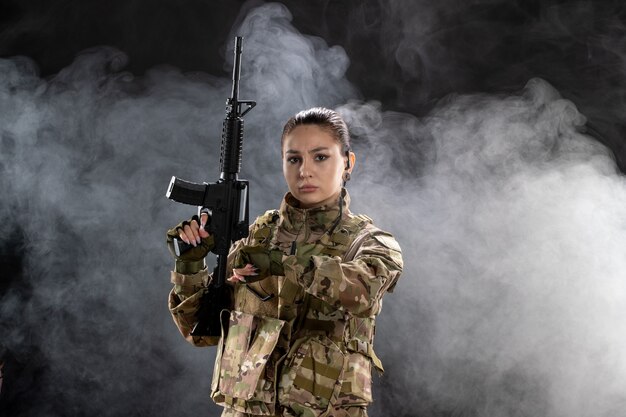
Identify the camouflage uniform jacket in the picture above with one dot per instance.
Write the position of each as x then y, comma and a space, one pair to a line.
309, 347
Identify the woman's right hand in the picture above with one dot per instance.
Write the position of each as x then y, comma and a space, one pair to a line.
192, 233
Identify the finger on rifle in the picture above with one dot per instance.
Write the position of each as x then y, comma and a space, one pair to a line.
195, 229
183, 236
187, 235
203, 219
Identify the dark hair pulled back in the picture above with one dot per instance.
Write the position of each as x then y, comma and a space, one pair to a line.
326, 119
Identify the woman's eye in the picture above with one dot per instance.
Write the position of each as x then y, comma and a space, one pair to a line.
293, 160
321, 157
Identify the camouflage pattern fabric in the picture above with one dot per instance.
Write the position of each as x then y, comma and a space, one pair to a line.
311, 379
357, 286
335, 412
267, 262
184, 302
243, 373
299, 340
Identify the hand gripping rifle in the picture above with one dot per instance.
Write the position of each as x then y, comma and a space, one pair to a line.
226, 202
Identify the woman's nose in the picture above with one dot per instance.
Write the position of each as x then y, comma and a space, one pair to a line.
304, 169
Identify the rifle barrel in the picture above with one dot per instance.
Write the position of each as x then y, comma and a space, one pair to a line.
236, 74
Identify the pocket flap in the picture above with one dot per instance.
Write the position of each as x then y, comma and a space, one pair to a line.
249, 344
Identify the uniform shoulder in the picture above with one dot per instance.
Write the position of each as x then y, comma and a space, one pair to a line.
364, 223
373, 242
357, 220
383, 237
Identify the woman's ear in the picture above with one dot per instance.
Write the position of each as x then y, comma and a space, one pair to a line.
350, 160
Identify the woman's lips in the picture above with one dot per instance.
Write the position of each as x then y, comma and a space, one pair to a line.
307, 188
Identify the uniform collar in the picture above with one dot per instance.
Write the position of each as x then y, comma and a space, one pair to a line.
317, 219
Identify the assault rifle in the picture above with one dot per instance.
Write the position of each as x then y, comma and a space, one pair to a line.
226, 202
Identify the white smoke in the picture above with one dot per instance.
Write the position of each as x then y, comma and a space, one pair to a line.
511, 222
514, 293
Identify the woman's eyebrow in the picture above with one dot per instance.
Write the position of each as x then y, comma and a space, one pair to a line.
318, 149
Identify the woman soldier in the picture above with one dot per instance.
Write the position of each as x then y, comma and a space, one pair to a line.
307, 285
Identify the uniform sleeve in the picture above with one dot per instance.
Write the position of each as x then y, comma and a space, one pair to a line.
357, 286
184, 300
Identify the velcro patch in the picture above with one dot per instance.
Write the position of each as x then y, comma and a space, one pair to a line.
388, 242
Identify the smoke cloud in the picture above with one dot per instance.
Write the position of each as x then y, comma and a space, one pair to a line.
514, 292
511, 221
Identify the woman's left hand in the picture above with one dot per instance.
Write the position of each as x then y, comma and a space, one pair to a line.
240, 274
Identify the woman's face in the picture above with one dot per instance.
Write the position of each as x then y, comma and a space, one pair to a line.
313, 165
